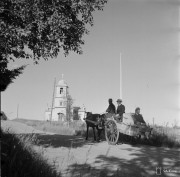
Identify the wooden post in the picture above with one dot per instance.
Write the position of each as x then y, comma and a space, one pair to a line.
17, 111
153, 121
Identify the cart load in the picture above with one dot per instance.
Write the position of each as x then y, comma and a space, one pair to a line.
127, 127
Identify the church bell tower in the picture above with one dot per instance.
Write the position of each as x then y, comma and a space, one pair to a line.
60, 100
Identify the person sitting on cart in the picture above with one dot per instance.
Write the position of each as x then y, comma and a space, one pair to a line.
120, 110
139, 121
111, 110
138, 117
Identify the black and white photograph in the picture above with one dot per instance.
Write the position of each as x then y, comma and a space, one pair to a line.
90, 88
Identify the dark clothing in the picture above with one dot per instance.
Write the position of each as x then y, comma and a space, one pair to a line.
139, 118
111, 108
121, 110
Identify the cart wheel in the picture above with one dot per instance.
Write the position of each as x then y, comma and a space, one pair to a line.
111, 132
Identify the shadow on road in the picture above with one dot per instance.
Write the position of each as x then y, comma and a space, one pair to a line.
143, 163
62, 141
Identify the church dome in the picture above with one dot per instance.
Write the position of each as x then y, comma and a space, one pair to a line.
62, 83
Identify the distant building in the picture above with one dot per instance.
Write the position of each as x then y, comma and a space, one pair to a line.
60, 105
82, 113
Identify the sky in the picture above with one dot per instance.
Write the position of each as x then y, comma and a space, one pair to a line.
145, 32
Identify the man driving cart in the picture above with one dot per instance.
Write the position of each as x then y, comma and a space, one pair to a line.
120, 110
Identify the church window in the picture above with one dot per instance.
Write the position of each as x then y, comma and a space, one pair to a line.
61, 103
61, 90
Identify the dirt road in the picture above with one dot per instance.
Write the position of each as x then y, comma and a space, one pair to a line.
20, 128
73, 156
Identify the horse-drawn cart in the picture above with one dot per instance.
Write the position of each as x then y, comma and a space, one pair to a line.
114, 127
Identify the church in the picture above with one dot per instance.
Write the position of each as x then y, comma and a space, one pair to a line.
62, 107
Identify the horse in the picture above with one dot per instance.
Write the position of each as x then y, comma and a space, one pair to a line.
94, 121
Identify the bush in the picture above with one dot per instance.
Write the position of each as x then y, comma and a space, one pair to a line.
165, 136
20, 160
3, 116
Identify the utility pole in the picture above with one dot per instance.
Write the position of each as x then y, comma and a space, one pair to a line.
17, 111
53, 99
0, 107
120, 77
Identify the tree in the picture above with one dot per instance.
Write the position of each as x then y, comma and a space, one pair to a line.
69, 109
75, 113
42, 28
7, 75
3, 116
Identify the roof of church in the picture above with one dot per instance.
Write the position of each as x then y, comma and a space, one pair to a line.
62, 83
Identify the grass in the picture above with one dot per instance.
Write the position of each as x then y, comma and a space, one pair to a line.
161, 135
165, 136
62, 128
18, 159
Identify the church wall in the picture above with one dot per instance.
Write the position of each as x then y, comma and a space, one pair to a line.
61, 91
57, 102
55, 116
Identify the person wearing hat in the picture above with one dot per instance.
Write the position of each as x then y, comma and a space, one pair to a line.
111, 108
138, 117
120, 110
